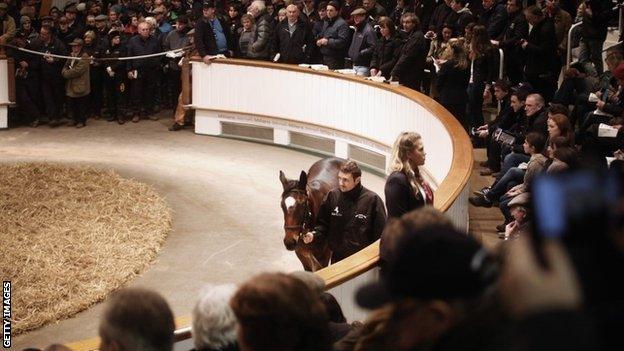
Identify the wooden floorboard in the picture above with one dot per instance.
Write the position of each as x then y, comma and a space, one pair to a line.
483, 221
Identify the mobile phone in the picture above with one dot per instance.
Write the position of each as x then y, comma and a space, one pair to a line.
577, 208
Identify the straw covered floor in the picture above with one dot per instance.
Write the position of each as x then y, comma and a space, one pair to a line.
72, 234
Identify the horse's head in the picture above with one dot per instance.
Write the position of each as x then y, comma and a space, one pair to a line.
295, 207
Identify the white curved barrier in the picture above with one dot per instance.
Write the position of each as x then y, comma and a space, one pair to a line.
348, 110
326, 105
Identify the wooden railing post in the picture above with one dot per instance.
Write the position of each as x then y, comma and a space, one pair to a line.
186, 80
11, 78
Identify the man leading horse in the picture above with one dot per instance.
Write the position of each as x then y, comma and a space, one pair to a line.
351, 217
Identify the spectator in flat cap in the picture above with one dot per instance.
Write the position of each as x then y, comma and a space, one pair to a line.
519, 207
362, 44
74, 25
334, 38
77, 85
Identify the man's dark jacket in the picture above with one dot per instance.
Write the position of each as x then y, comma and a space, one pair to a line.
51, 70
386, 55
338, 34
362, 45
411, 62
494, 19
137, 46
296, 48
204, 38
350, 221
541, 51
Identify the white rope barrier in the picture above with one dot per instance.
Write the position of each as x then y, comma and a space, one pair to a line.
175, 52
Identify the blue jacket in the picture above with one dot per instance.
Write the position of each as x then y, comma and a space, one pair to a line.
362, 45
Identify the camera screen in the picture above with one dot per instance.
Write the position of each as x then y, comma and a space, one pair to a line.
550, 206
572, 203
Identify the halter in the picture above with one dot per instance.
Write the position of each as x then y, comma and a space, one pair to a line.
308, 214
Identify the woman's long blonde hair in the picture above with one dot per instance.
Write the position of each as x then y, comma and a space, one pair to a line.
406, 142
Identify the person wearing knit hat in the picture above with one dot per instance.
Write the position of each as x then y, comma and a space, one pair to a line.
26, 29
114, 71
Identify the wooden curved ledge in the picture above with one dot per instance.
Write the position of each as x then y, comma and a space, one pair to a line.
446, 194
448, 190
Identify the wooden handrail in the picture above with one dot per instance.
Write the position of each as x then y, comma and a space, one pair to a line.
186, 81
447, 192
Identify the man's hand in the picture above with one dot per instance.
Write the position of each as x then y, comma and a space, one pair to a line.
322, 42
206, 59
513, 192
526, 287
600, 105
130, 75
48, 58
373, 72
524, 43
308, 237
510, 228
23, 64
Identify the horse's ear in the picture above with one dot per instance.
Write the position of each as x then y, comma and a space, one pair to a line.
282, 178
303, 181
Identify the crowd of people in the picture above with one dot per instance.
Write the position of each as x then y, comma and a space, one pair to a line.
439, 290
447, 49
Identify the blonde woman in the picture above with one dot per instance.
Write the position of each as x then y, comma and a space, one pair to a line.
405, 188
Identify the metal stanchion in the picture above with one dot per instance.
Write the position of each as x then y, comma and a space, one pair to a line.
569, 46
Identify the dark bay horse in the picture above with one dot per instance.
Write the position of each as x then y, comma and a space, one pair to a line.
301, 200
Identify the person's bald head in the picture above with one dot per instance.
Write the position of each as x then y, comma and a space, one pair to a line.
144, 29
292, 13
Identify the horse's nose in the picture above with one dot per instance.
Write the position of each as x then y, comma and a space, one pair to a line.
290, 244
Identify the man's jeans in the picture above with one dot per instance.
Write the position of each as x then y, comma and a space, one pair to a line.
362, 71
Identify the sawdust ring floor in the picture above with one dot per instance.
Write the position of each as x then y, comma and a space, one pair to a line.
73, 234
224, 195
